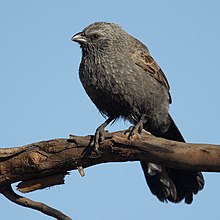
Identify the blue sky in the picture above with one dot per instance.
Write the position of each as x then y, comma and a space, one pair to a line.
42, 98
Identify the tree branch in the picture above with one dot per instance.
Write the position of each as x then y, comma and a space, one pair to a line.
43, 164
20, 200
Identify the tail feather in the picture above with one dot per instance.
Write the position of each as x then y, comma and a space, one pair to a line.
170, 184
159, 182
173, 133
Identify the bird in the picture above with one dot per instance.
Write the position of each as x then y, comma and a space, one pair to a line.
123, 80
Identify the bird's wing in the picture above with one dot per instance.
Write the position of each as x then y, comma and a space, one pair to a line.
146, 62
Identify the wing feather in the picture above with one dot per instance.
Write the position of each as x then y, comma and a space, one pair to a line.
144, 60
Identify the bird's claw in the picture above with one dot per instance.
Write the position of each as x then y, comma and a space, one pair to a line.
132, 130
99, 137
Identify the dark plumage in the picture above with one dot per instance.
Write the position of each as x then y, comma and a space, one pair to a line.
123, 80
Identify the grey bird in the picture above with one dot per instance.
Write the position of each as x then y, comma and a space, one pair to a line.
124, 81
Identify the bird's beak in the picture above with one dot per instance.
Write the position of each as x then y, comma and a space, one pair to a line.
79, 37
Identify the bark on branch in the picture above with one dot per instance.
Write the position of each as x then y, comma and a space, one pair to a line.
43, 164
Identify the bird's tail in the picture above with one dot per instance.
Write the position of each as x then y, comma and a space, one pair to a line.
171, 184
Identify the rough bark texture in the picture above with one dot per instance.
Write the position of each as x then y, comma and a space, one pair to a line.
43, 164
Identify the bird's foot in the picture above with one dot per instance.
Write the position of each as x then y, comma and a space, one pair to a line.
136, 129
99, 137
133, 130
100, 134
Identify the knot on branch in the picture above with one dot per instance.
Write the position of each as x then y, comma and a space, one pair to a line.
35, 158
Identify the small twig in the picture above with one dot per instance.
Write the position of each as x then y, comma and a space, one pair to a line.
11, 195
81, 171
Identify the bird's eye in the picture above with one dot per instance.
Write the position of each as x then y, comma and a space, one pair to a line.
94, 36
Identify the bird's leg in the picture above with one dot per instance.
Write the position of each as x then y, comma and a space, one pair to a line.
137, 128
100, 133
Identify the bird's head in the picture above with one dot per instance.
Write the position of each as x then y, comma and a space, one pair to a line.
101, 35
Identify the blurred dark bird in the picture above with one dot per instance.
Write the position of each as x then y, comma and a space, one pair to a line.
123, 80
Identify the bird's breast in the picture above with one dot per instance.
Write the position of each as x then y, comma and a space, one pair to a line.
119, 88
